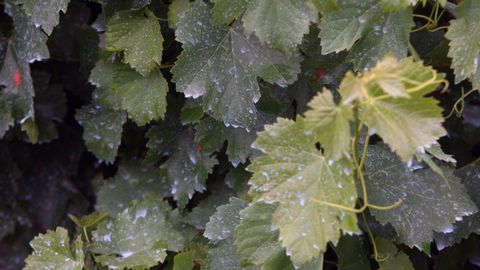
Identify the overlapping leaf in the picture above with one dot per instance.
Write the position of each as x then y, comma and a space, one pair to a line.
137, 34
393, 258
225, 11
221, 64
351, 254
464, 36
137, 238
393, 103
44, 13
52, 250
428, 202
299, 178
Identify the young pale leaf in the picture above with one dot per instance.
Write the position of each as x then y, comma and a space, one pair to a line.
102, 130
137, 238
428, 202
136, 33
44, 13
221, 64
225, 11
330, 124
222, 224
144, 98
395, 258
280, 24
132, 183
295, 174
187, 168
464, 36
351, 254
470, 176
52, 250
212, 134
393, 103
255, 240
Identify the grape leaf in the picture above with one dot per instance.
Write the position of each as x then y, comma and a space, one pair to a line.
102, 130
394, 103
192, 112
144, 98
52, 250
330, 124
44, 13
428, 202
351, 254
296, 175
341, 28
255, 240
395, 258
222, 65
102, 73
136, 33
137, 238
132, 183
225, 11
211, 134
176, 8
222, 224
280, 24
464, 38
88, 221
186, 259
187, 168
390, 34
470, 176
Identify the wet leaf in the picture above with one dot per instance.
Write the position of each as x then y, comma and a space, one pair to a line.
225, 11
44, 13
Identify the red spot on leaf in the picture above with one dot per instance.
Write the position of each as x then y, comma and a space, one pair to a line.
17, 78
199, 148
320, 72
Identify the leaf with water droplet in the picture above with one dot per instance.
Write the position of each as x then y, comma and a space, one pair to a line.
137, 237
464, 38
144, 98
53, 250
428, 202
280, 24
142, 49
221, 64
394, 104
102, 130
132, 183
44, 13
225, 11
222, 224
187, 168
294, 173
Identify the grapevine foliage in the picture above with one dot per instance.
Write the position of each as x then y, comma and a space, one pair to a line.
239, 134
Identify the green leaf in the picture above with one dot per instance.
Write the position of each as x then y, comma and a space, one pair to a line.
142, 48
225, 11
280, 24
393, 103
144, 98
192, 112
176, 8
394, 5
44, 13
464, 36
222, 64
185, 260
395, 258
102, 130
330, 124
88, 221
428, 202
296, 175
137, 238
52, 250
341, 28
102, 73
256, 242
351, 254
212, 134
187, 168
132, 183
390, 34
222, 224
462, 229
222, 256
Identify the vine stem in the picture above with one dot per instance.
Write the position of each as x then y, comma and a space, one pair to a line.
86, 235
376, 255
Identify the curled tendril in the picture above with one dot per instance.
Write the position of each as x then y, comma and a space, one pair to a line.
459, 105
